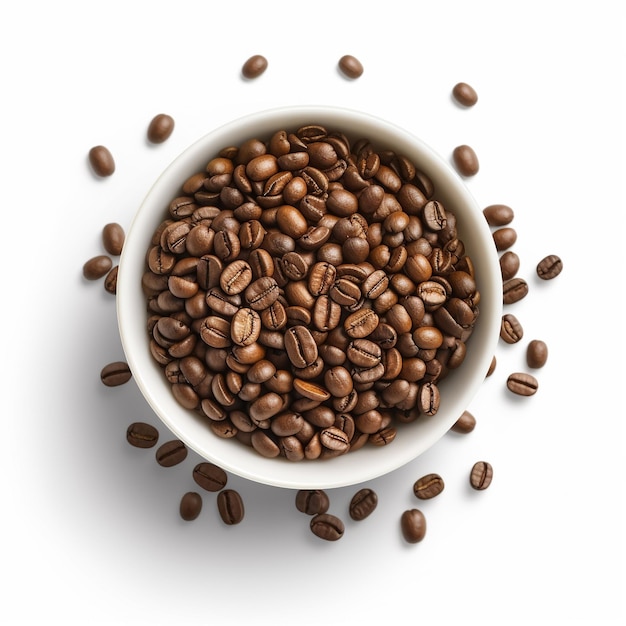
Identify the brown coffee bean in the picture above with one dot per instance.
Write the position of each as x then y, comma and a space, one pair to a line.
536, 353
254, 66
110, 280
338, 381
465, 160
312, 501
509, 265
363, 504
190, 506
171, 453
160, 128
428, 486
492, 366
481, 475
465, 424
97, 267
328, 527
522, 384
142, 435
210, 476
245, 327
504, 237
465, 94
230, 506
498, 214
101, 161
511, 330
513, 290
549, 267
115, 374
113, 238
413, 525
350, 66
360, 324
300, 346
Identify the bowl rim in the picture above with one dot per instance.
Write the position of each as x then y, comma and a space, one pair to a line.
238, 459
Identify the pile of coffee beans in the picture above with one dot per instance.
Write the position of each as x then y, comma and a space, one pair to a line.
307, 293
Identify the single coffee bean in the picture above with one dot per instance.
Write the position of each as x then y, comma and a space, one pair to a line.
465, 160
511, 330
110, 280
413, 525
363, 504
190, 506
522, 384
312, 501
171, 453
465, 94
230, 506
549, 267
481, 475
327, 527
428, 486
254, 66
492, 366
97, 267
498, 214
536, 354
513, 290
210, 476
101, 161
504, 237
113, 238
509, 265
160, 128
350, 66
465, 424
115, 374
142, 435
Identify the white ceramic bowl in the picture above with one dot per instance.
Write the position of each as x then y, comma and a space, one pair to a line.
457, 390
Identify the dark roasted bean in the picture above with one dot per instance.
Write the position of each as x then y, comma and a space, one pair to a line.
428, 486
115, 374
312, 501
142, 435
230, 506
481, 475
413, 525
549, 267
328, 527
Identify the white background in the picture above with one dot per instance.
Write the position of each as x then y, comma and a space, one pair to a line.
90, 526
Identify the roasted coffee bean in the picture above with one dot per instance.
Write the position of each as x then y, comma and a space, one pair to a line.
361, 323
465, 424
262, 293
142, 435
97, 267
549, 267
113, 238
511, 330
110, 280
465, 160
363, 504
160, 128
498, 214
312, 501
245, 327
115, 374
413, 525
509, 265
465, 94
492, 366
300, 346
190, 506
101, 161
536, 353
428, 486
522, 384
210, 476
338, 381
328, 527
504, 237
254, 66
350, 66
513, 290
481, 475
230, 506
171, 453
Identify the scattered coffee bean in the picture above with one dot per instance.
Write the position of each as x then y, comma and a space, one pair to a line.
536, 354
363, 503
504, 237
465, 424
498, 214
97, 267
230, 506
465, 160
190, 506
413, 525
113, 238
511, 330
327, 527
509, 265
549, 267
115, 374
312, 501
210, 476
492, 366
428, 486
171, 453
160, 128
522, 384
101, 161
254, 66
110, 280
513, 290
350, 66
465, 94
142, 435
481, 475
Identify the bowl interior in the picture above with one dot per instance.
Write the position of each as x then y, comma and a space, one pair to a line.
369, 462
